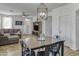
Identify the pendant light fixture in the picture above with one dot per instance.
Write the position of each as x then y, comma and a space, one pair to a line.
42, 12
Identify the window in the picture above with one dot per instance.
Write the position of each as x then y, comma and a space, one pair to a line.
7, 23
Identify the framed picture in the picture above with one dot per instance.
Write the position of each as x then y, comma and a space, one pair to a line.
19, 23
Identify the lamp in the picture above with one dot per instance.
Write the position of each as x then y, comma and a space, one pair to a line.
42, 12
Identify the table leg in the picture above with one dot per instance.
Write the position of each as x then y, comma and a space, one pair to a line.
62, 49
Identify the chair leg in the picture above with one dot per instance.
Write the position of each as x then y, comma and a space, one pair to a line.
55, 54
22, 53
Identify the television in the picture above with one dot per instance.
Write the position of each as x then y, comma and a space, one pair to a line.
19, 23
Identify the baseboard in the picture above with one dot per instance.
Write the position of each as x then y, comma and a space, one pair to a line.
70, 48
77, 49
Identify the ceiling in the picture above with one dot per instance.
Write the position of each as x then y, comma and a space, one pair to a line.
29, 8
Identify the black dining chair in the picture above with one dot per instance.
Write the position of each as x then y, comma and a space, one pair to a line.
55, 49
25, 50
44, 51
41, 53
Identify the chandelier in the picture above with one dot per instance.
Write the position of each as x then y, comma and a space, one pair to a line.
42, 12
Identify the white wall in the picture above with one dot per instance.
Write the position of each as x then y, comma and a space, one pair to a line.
69, 10
18, 18
26, 28
63, 11
76, 8
48, 26
77, 29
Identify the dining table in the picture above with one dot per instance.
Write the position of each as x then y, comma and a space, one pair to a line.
36, 44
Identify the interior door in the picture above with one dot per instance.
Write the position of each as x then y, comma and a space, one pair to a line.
65, 29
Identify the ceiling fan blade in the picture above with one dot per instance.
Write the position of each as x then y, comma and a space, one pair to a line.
24, 14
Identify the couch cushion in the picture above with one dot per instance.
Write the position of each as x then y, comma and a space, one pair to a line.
13, 36
7, 34
3, 38
1, 34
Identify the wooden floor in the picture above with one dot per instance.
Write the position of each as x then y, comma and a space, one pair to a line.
15, 50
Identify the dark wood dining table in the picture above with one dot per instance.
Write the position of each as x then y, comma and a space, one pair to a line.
37, 44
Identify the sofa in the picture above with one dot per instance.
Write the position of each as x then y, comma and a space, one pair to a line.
8, 39
5, 40
11, 31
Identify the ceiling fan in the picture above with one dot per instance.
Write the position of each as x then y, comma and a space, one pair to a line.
24, 14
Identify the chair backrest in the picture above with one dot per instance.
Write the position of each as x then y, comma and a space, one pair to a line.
58, 46
55, 48
23, 45
25, 49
